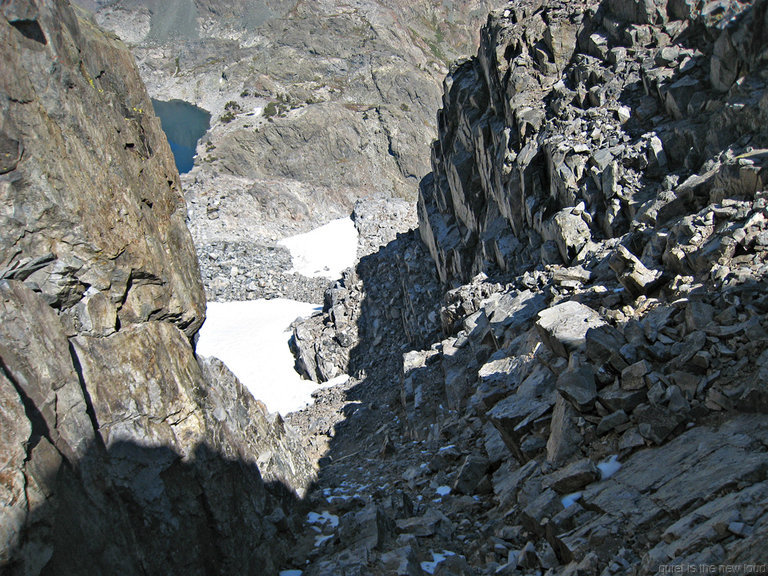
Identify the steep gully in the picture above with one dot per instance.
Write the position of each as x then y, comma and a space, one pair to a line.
511, 410
604, 164
120, 450
389, 448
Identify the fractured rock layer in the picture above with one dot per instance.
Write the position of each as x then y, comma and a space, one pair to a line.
605, 162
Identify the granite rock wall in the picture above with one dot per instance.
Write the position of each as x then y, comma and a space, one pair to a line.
122, 452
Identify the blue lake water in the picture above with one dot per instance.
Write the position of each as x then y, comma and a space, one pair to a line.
183, 124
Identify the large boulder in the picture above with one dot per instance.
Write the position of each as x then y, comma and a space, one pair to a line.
563, 328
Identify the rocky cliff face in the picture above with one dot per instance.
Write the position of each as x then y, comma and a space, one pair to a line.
121, 451
605, 165
583, 122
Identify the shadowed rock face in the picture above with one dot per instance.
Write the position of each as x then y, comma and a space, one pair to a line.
120, 451
600, 180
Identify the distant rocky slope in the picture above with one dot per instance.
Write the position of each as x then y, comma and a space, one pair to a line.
120, 451
333, 94
315, 105
596, 403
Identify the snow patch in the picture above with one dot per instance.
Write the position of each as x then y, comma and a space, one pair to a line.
343, 498
251, 338
325, 517
443, 490
340, 379
609, 467
324, 252
437, 557
570, 499
291, 573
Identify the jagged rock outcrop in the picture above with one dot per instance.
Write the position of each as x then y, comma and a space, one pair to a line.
604, 164
126, 240
582, 122
121, 451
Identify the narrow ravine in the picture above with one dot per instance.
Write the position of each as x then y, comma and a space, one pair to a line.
553, 363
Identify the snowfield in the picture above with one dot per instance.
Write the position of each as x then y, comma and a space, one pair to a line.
324, 252
251, 338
